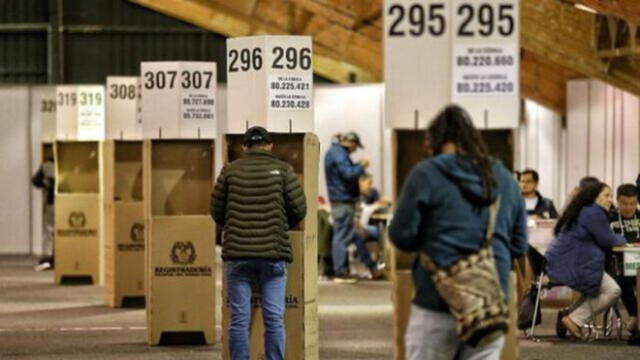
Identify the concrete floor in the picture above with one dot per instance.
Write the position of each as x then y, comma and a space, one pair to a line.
39, 320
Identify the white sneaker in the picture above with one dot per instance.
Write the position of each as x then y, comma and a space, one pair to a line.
42, 267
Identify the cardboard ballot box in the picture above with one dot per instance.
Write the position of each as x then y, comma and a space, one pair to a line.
78, 212
124, 233
301, 314
180, 252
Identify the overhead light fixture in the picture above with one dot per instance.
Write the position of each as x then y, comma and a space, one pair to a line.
585, 8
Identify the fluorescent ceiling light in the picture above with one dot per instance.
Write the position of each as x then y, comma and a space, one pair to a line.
585, 8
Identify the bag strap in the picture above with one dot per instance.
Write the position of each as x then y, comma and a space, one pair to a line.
427, 262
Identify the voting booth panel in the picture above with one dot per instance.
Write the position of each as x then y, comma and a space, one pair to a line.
301, 319
123, 199
123, 223
77, 212
180, 253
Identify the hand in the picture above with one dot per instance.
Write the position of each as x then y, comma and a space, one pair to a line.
364, 163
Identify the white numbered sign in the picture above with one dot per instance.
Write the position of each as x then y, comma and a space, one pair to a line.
80, 112
486, 61
417, 69
43, 105
270, 83
178, 99
451, 51
123, 96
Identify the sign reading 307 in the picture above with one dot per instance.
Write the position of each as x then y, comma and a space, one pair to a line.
269, 77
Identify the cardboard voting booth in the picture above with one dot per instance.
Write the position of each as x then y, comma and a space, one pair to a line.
180, 253
408, 149
78, 204
301, 313
124, 234
178, 112
270, 84
77, 221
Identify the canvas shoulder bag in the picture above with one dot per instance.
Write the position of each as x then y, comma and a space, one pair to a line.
471, 288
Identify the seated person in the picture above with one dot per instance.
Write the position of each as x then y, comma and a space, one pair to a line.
538, 207
576, 257
625, 220
370, 203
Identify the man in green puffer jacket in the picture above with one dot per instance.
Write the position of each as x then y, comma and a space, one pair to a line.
257, 199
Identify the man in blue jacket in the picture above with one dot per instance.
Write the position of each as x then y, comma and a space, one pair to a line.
342, 176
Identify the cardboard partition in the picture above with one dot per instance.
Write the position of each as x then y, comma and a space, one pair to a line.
124, 223
78, 212
77, 167
510, 350
77, 238
181, 280
181, 177
180, 252
402, 293
301, 318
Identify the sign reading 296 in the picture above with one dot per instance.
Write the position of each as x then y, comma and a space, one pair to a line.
475, 18
290, 58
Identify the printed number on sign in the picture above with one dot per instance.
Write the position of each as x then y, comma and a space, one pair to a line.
291, 58
488, 19
418, 19
67, 99
249, 59
122, 91
90, 99
485, 17
167, 79
48, 106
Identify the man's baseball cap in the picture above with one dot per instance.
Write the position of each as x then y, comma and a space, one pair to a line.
255, 135
352, 136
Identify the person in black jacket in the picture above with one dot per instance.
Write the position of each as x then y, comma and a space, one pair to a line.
625, 220
44, 179
257, 200
537, 205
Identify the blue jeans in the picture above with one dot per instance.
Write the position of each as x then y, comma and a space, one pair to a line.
271, 276
344, 232
431, 335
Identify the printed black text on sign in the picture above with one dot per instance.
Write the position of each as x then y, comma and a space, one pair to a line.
122, 91
249, 59
486, 18
417, 19
166, 79
292, 58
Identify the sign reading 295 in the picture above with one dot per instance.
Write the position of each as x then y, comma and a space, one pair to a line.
474, 19
290, 58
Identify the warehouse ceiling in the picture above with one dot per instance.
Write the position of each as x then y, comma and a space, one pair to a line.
559, 40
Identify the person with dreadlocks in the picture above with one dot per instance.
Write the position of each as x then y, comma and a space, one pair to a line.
576, 257
443, 211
